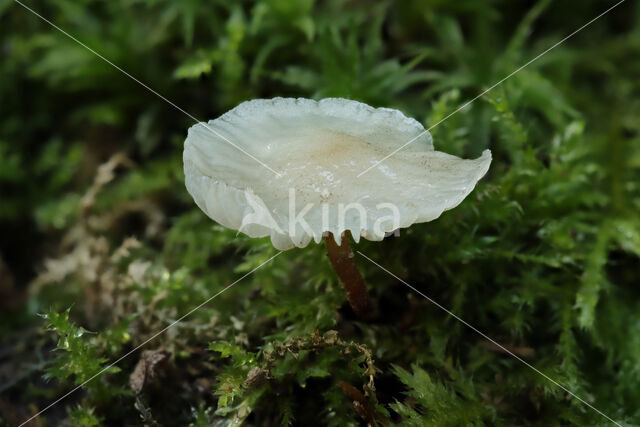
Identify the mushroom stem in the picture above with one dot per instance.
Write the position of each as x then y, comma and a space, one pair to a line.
341, 258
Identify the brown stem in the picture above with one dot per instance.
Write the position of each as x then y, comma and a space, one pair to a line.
341, 258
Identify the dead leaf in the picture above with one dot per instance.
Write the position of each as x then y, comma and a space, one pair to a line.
360, 403
146, 369
106, 173
255, 378
526, 352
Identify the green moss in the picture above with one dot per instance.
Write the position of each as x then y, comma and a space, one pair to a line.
542, 257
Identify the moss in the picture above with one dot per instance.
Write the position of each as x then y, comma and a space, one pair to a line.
542, 257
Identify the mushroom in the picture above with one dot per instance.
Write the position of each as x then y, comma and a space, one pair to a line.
314, 186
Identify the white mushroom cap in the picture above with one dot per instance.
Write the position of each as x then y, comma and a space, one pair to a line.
319, 148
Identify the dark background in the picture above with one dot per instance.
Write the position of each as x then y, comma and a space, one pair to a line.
543, 256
